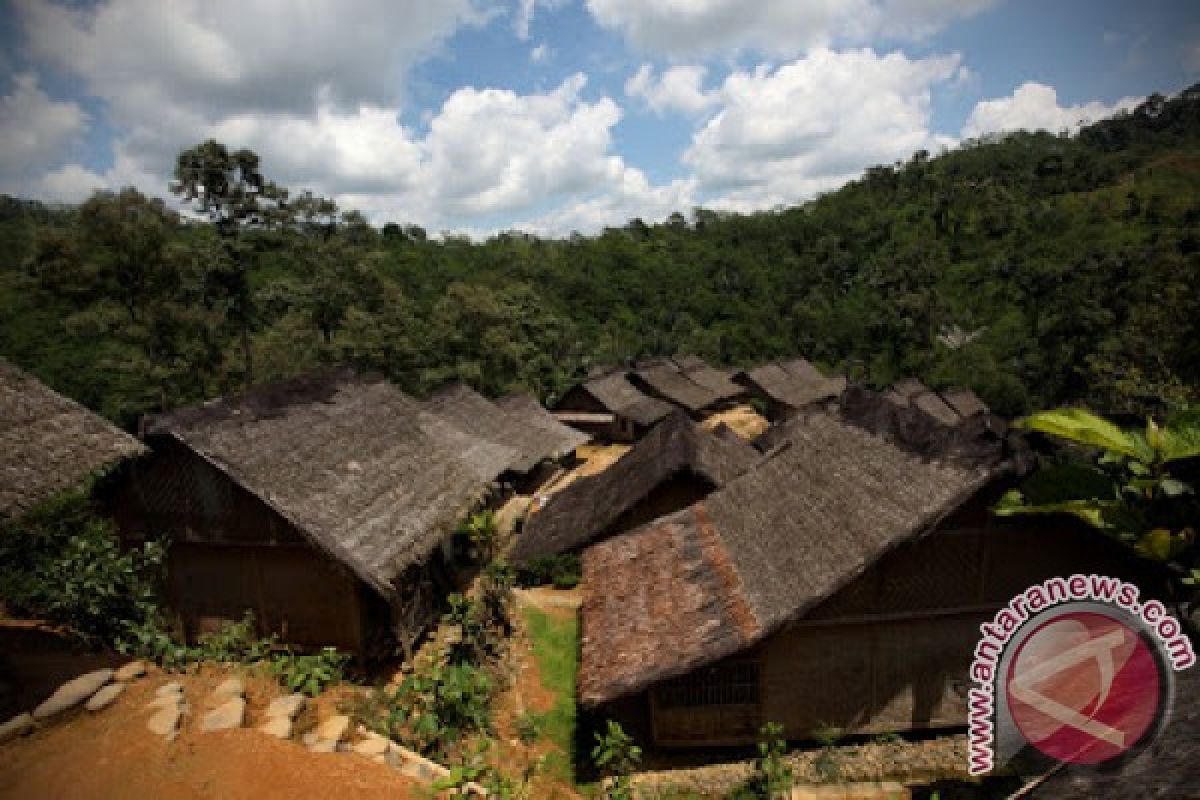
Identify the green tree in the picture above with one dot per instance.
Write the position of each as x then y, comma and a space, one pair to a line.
230, 190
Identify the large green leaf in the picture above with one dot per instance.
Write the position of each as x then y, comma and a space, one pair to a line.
1084, 427
1060, 483
1181, 435
1102, 514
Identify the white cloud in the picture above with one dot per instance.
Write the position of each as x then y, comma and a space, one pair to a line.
539, 54
69, 184
170, 73
1034, 106
678, 89
783, 27
35, 128
633, 196
526, 9
783, 135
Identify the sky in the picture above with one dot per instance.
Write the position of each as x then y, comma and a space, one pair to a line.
553, 116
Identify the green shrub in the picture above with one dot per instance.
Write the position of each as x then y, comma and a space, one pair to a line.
63, 563
563, 571
772, 777
433, 710
309, 673
234, 643
616, 756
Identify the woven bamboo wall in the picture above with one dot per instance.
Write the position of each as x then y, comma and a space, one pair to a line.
891, 650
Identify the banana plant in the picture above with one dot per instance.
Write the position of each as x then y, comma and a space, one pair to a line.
1127, 490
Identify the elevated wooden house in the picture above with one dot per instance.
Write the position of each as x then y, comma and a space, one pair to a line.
320, 503
674, 465
49, 443
787, 387
839, 582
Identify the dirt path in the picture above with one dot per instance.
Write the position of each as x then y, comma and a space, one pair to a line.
111, 756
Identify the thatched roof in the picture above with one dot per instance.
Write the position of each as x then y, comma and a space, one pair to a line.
703, 583
585, 510
613, 390
666, 382
560, 439
947, 408
49, 443
475, 415
795, 384
356, 465
718, 381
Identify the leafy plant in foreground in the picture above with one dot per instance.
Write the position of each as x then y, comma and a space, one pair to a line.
1128, 491
616, 756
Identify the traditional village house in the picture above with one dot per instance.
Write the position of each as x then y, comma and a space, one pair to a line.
839, 583
674, 465
666, 380
322, 504
538, 441
608, 406
49, 444
787, 387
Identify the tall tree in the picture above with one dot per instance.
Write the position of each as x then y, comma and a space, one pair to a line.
231, 191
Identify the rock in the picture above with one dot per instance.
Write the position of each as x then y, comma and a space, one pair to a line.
228, 715
229, 688
377, 746
323, 746
174, 687
310, 738
168, 700
334, 728
131, 671
72, 693
288, 706
166, 721
280, 727
105, 697
416, 766
20, 725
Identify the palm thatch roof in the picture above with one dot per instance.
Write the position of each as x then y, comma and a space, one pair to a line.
718, 381
794, 384
357, 466
586, 510
948, 408
560, 439
710, 580
613, 390
478, 417
668, 383
49, 443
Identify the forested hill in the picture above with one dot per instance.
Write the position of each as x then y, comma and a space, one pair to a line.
1037, 269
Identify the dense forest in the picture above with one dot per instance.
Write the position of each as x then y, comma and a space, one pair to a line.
1035, 268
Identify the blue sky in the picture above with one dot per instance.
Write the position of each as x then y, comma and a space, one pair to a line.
557, 115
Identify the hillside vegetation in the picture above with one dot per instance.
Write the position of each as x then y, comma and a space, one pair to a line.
1038, 269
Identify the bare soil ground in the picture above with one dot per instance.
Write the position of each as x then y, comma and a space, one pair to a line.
111, 756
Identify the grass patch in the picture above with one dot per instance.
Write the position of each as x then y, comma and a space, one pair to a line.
555, 643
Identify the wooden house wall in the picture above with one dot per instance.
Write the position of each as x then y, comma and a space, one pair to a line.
621, 429
892, 650
230, 552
